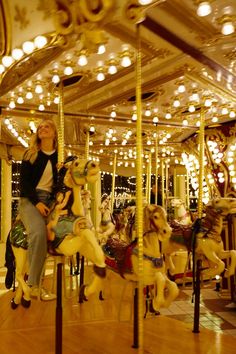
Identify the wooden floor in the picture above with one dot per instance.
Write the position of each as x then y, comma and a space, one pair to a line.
101, 327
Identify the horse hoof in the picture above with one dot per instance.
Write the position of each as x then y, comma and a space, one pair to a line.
152, 310
82, 296
25, 303
13, 304
100, 296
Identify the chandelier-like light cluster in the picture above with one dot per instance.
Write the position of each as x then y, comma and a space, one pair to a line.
13, 130
192, 166
231, 161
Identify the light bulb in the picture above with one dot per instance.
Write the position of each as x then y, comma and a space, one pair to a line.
176, 103
82, 60
125, 61
68, 70
29, 95
155, 119
112, 69
100, 76
20, 100
101, 49
12, 105
204, 9
145, 2
56, 79
40, 41
17, 53
7, 61
181, 88
28, 47
227, 28
38, 88
41, 107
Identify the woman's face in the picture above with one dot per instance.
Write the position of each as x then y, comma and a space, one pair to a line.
46, 130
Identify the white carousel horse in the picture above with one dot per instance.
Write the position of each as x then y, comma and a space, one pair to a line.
68, 229
107, 226
123, 258
208, 239
183, 216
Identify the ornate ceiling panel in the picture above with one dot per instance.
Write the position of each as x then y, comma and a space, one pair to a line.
188, 65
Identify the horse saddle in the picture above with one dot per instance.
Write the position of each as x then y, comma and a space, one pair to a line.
118, 255
181, 234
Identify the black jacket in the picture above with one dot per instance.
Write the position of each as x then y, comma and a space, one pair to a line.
31, 173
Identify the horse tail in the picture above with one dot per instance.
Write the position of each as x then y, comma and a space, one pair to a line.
195, 230
9, 263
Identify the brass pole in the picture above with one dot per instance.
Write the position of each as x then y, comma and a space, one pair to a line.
113, 182
86, 153
162, 183
167, 183
187, 189
61, 142
201, 163
148, 178
156, 167
139, 196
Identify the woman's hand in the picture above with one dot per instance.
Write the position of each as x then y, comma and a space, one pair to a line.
42, 208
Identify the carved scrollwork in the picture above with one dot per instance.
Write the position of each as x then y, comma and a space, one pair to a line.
75, 16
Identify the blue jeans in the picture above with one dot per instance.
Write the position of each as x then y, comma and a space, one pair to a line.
35, 225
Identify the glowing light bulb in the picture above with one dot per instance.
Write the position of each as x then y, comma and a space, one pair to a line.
204, 9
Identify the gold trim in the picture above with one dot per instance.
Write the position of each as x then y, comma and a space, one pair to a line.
5, 28
23, 69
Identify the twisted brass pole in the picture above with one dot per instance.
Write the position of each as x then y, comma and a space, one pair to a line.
61, 142
113, 182
201, 163
139, 196
156, 167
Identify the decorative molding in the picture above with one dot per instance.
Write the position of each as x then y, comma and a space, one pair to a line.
21, 16
84, 18
23, 69
5, 29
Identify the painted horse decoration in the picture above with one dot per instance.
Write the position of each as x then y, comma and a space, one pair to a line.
208, 239
123, 258
107, 224
69, 230
183, 216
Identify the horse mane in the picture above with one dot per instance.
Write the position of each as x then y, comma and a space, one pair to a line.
148, 212
60, 186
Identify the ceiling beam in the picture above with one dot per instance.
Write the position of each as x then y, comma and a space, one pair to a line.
177, 42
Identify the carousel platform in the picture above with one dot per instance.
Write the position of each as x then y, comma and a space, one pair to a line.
105, 327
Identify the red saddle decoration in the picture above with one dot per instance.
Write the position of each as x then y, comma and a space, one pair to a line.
118, 255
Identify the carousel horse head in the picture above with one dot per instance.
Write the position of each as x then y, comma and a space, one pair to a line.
105, 203
155, 220
182, 215
81, 171
176, 202
224, 206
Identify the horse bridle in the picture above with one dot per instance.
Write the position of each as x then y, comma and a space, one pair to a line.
78, 174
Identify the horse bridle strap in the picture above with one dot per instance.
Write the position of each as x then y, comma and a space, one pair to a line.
83, 174
157, 262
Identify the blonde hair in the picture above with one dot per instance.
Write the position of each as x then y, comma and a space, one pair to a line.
35, 143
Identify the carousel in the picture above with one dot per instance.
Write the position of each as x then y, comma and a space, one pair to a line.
142, 233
